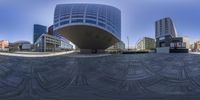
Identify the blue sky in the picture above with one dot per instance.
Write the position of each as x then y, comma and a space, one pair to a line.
138, 16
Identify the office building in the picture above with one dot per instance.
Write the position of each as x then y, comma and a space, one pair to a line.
91, 27
47, 43
117, 47
179, 44
65, 44
166, 38
164, 32
38, 30
145, 43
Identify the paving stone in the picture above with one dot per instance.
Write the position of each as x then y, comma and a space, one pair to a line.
110, 77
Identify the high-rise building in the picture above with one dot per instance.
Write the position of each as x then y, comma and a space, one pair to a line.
91, 27
146, 44
164, 32
38, 30
166, 38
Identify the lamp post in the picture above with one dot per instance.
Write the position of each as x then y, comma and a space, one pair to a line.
128, 42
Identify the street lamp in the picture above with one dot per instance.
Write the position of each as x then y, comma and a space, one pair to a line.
128, 42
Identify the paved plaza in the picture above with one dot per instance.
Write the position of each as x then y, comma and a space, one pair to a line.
110, 77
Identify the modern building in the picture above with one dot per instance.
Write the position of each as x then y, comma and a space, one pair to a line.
47, 43
179, 44
65, 44
166, 38
4, 44
145, 43
117, 47
164, 32
91, 27
38, 30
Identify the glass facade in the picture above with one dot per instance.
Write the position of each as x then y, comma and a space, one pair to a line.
101, 16
64, 42
47, 43
38, 30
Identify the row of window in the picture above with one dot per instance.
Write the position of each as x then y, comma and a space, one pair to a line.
115, 25
77, 21
78, 9
79, 14
88, 17
81, 21
94, 16
86, 21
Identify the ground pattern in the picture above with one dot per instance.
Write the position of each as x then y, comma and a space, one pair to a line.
113, 77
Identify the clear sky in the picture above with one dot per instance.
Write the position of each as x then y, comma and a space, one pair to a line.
138, 16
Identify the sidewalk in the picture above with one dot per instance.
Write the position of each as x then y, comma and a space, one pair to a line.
195, 53
35, 54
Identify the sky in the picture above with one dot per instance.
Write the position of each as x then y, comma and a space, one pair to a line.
138, 17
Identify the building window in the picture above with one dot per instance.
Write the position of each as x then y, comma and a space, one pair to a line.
103, 20
77, 16
65, 14
162, 38
63, 18
56, 25
90, 21
77, 21
76, 13
55, 21
101, 24
92, 17
64, 22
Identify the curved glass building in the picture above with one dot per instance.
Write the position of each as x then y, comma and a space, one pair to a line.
88, 26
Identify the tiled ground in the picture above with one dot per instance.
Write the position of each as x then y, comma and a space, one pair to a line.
113, 77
